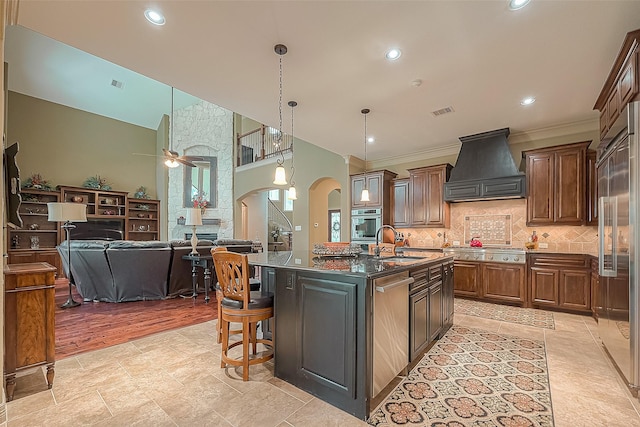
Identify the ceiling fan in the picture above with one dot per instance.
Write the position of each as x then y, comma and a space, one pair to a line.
171, 158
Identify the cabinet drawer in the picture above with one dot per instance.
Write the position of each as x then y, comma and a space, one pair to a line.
559, 260
435, 273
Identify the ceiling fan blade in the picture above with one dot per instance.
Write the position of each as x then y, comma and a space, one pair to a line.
170, 153
185, 162
146, 154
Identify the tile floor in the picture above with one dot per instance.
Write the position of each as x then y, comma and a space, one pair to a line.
174, 378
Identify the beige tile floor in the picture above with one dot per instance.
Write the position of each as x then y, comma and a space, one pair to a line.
174, 378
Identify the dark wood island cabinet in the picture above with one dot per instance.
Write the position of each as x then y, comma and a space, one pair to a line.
325, 315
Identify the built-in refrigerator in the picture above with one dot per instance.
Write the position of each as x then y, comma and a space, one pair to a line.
618, 300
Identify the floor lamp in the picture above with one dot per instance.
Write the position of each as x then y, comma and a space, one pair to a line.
194, 218
68, 213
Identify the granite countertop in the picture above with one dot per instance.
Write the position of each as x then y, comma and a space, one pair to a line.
362, 265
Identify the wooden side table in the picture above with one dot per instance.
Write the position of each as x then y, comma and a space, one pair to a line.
29, 309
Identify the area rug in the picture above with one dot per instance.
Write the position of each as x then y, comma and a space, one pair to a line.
505, 313
473, 378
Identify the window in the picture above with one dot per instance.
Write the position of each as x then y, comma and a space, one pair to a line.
288, 203
201, 181
274, 194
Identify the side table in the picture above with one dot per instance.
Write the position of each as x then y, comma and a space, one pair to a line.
200, 261
29, 309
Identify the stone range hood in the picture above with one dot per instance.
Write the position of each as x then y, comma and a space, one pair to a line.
485, 170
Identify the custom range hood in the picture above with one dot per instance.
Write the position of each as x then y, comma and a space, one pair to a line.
485, 170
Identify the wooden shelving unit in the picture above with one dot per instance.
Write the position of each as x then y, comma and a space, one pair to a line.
36, 241
142, 219
100, 204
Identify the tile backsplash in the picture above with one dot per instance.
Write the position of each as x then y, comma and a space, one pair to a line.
560, 238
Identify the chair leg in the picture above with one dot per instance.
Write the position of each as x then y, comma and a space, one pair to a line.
254, 336
245, 349
225, 341
219, 305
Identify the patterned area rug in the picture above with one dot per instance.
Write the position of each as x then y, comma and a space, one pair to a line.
505, 313
473, 378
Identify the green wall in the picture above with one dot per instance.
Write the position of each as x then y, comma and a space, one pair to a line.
66, 145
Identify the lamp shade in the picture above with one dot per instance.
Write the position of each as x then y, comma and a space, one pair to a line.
194, 217
364, 197
73, 212
292, 195
280, 176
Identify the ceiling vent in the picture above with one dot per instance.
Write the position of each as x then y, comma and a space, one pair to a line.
442, 111
116, 83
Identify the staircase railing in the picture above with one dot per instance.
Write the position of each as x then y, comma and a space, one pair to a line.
280, 229
260, 144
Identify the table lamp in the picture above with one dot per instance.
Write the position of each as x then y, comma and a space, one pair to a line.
194, 218
68, 213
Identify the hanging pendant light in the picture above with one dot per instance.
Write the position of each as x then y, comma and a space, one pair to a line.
292, 194
280, 175
170, 162
364, 197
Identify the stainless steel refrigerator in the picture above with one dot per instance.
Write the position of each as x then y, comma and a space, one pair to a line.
618, 296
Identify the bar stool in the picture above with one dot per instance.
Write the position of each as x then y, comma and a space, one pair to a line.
240, 305
254, 285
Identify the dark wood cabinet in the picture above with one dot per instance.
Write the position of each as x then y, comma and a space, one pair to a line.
142, 219
435, 310
29, 310
447, 294
504, 282
560, 281
467, 278
419, 322
596, 301
592, 188
379, 185
556, 182
427, 207
401, 211
621, 85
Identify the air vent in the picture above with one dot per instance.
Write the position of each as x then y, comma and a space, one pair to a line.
442, 111
116, 83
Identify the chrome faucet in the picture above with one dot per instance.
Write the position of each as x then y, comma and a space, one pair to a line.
376, 251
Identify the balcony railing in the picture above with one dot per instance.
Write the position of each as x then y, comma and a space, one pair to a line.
260, 144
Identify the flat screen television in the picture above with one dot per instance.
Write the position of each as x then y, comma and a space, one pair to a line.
12, 186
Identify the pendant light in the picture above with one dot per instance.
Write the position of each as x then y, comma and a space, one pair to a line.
292, 195
280, 175
171, 162
364, 197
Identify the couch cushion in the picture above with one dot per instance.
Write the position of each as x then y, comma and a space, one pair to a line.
231, 242
181, 243
131, 244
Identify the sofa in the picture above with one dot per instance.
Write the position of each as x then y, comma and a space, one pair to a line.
125, 270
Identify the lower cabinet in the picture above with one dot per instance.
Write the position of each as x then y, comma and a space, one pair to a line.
560, 281
430, 306
51, 257
491, 281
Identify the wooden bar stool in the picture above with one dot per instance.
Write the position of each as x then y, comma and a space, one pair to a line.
254, 285
240, 305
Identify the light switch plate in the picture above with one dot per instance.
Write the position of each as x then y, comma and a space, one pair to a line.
456, 243
298, 228
298, 261
543, 245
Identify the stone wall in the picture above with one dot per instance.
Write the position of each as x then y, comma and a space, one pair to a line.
203, 129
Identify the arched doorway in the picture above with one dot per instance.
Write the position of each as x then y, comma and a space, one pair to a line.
325, 201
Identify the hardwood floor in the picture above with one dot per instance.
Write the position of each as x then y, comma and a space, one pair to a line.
96, 325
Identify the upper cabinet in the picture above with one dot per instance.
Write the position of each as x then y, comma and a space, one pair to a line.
621, 86
424, 205
379, 185
556, 183
592, 188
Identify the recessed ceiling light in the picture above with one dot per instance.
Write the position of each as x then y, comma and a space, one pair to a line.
370, 139
393, 54
528, 100
517, 4
155, 17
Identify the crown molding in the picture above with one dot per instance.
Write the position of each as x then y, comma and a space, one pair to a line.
431, 153
581, 126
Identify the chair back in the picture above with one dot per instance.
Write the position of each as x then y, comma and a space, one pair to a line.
230, 268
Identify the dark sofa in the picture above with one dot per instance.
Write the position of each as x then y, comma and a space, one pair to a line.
124, 270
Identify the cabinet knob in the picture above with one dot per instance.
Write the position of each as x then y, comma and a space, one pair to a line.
517, 258
506, 258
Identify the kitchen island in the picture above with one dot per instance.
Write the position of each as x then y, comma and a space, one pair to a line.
332, 329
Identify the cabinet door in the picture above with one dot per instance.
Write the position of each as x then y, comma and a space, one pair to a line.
504, 282
570, 186
52, 258
627, 86
21, 257
401, 217
374, 184
437, 210
544, 286
418, 198
418, 322
435, 311
447, 306
357, 185
540, 170
575, 290
466, 278
268, 284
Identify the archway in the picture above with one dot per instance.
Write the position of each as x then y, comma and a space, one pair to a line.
325, 195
